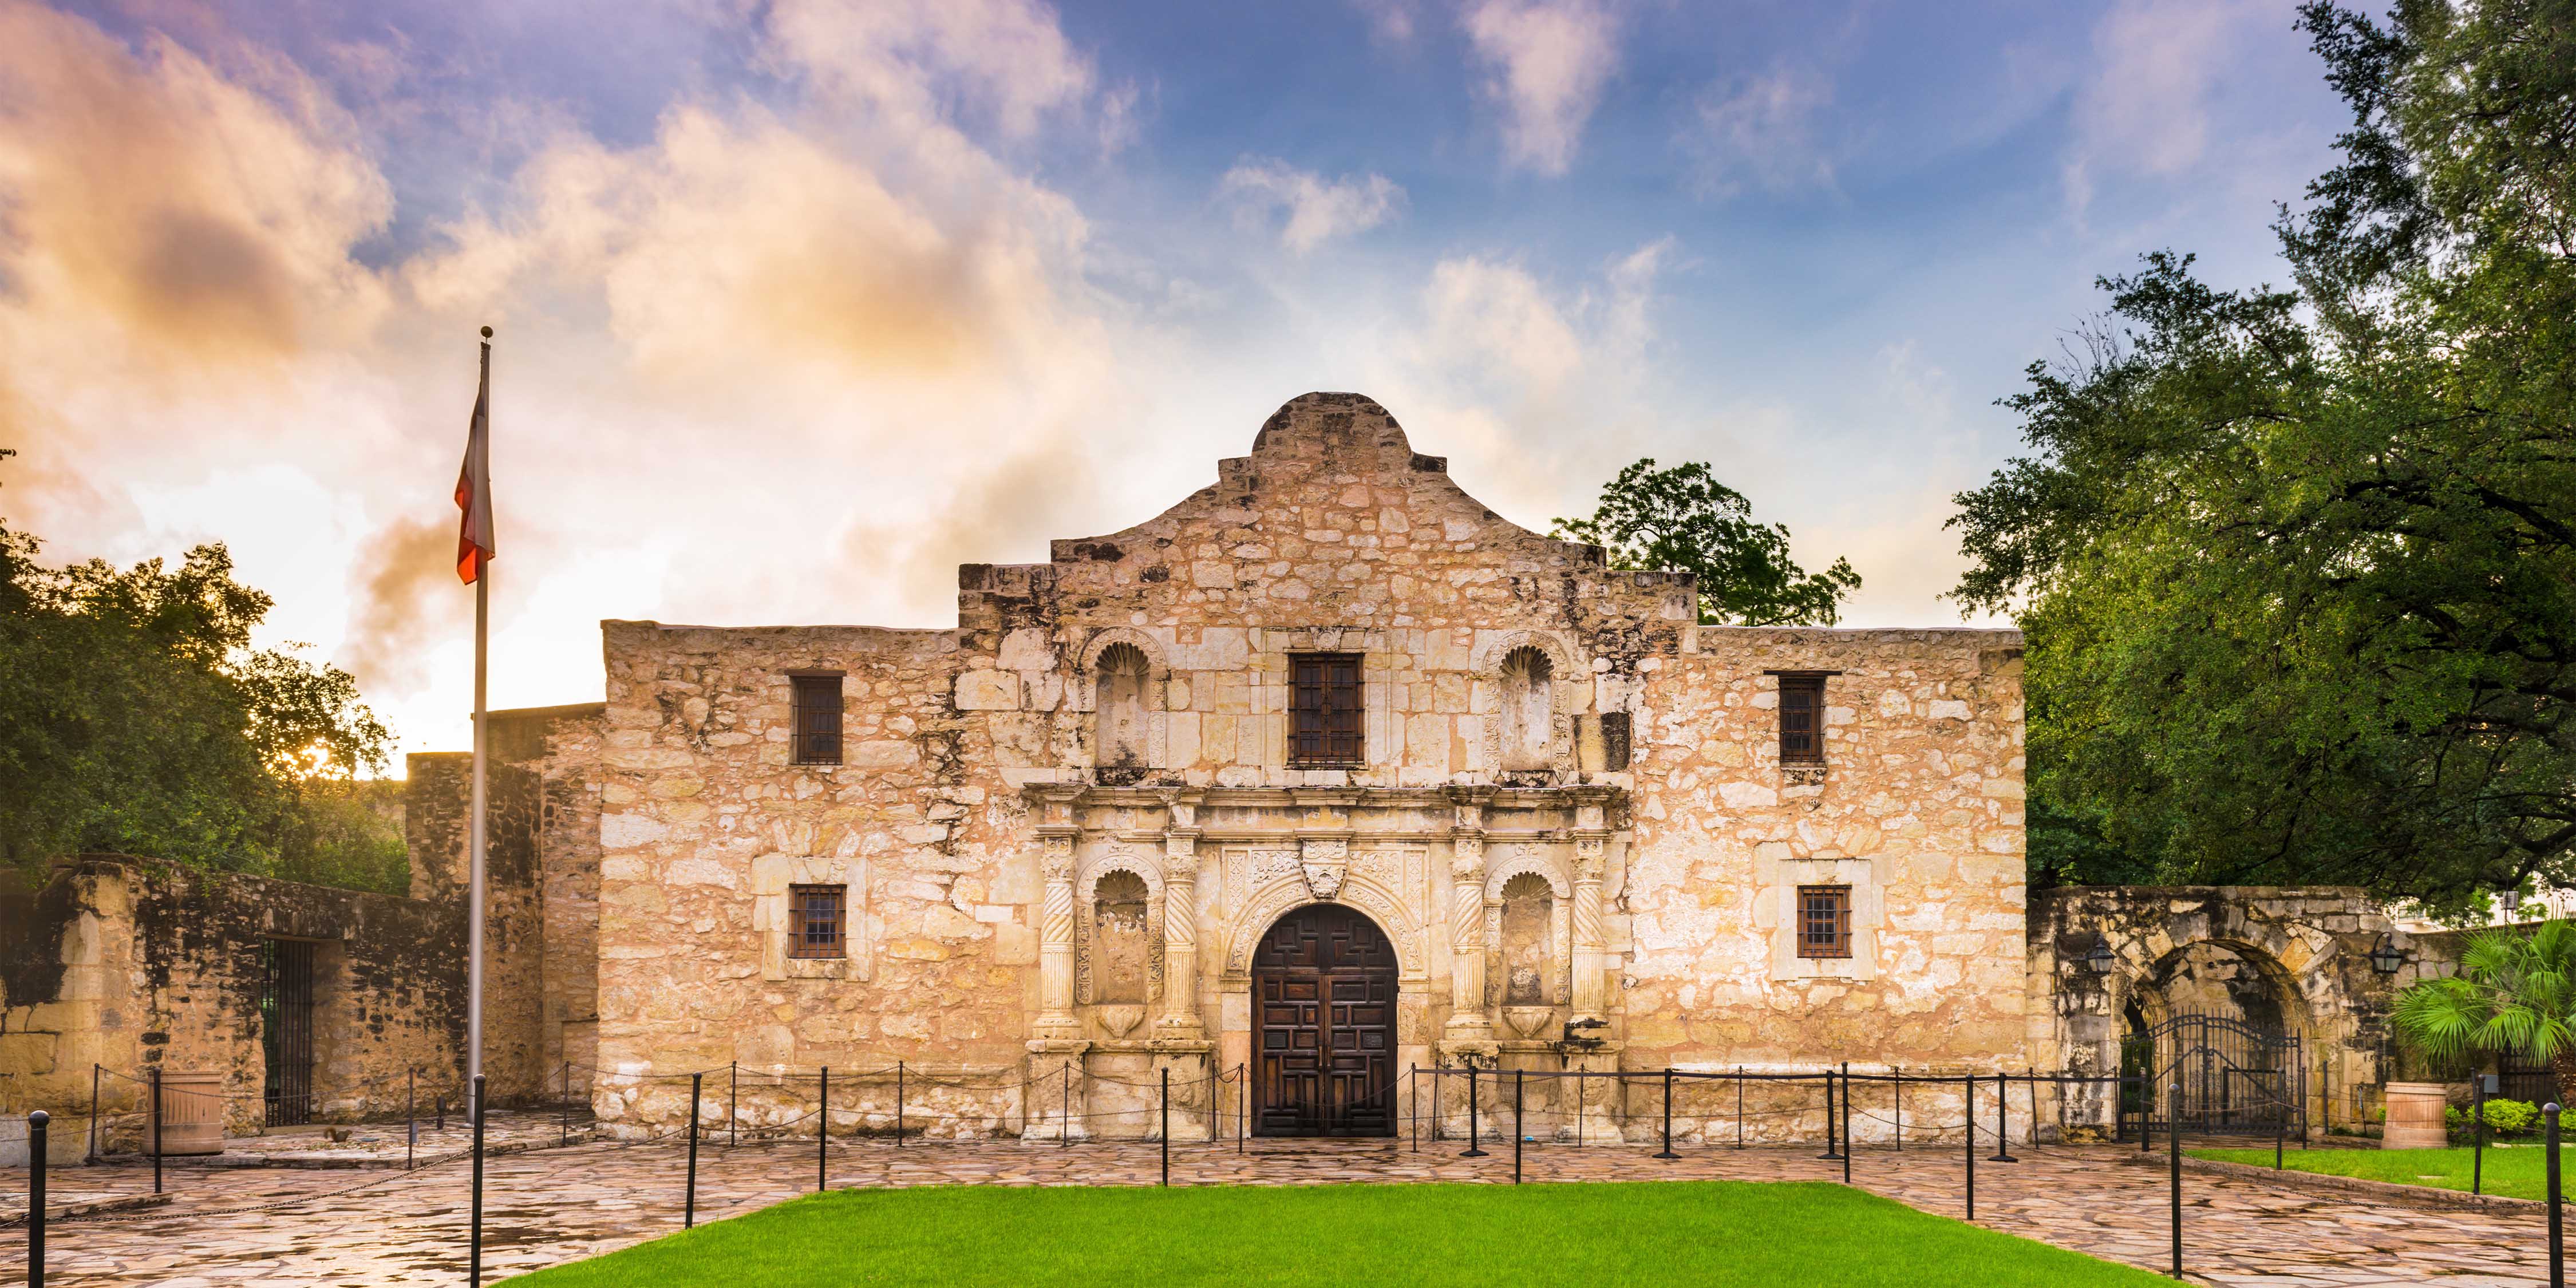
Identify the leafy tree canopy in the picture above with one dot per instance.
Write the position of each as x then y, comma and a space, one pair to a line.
135, 717
1684, 520
2298, 566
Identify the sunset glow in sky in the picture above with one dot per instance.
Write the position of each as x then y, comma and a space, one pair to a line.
801, 304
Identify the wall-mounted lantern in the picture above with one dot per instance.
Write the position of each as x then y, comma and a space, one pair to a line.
2098, 961
2386, 958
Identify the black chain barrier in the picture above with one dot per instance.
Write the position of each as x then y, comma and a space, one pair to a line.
1841, 1090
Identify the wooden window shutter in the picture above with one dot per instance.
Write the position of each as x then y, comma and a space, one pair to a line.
816, 716
1326, 717
1802, 720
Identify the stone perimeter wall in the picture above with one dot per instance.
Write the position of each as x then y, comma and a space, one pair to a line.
133, 964
973, 810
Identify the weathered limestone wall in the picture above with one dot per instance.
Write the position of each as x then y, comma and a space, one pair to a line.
1534, 723
541, 911
132, 964
1919, 810
2295, 958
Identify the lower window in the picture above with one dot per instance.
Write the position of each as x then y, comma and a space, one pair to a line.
816, 921
1824, 921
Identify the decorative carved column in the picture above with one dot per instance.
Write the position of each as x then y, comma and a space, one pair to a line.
1591, 946
1468, 1022
1180, 1018
1056, 1020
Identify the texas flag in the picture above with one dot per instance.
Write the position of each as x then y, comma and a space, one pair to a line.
474, 546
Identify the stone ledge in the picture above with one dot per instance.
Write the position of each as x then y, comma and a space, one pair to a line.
2385, 1191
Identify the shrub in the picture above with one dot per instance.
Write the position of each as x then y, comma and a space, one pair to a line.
2504, 1118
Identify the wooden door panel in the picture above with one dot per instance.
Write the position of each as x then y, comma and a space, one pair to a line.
1324, 983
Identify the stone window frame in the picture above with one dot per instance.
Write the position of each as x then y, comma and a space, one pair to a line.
1268, 671
1520, 859
1782, 878
774, 877
1121, 857
1566, 671
1158, 683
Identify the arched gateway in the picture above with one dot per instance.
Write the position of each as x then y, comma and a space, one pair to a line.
1323, 991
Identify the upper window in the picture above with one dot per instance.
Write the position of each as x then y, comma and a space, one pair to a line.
1324, 710
1824, 921
817, 709
1802, 719
817, 925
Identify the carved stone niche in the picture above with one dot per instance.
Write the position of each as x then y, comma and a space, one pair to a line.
1118, 932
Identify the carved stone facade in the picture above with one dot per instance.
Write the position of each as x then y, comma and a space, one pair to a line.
1527, 715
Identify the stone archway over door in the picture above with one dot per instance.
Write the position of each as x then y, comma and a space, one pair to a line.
1323, 995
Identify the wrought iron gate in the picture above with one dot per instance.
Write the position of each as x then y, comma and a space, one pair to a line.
2235, 1079
286, 1030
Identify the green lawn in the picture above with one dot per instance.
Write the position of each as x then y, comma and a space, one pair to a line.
1470, 1236
2511, 1170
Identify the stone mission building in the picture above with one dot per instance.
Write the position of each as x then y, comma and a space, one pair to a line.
1326, 772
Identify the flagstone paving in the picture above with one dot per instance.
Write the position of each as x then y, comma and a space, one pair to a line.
555, 1205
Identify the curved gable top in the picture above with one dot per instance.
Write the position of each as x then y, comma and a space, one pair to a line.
1333, 519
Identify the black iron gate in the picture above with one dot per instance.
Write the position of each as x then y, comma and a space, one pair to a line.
2235, 1079
286, 1030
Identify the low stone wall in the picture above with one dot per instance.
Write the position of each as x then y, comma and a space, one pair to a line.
131, 964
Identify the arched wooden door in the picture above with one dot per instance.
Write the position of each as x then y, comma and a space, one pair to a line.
1323, 992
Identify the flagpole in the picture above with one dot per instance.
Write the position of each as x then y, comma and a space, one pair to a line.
474, 877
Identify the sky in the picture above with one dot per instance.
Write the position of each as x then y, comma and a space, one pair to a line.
799, 304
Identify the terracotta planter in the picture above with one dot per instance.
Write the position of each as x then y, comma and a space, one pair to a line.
2415, 1116
192, 1113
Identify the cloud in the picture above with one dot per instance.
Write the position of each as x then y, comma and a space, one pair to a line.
1548, 61
2145, 108
1761, 132
397, 586
152, 208
1007, 59
1318, 209
1391, 22
1533, 385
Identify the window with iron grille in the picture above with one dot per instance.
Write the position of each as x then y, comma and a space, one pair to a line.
817, 708
1802, 719
1824, 921
815, 921
1324, 710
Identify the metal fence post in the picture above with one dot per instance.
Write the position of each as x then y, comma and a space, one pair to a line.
1413, 1104
1166, 1130
1243, 1096
1064, 1130
1831, 1152
898, 1104
411, 1117
1968, 1115
1848, 1150
2557, 1232
563, 1126
823, 1131
92, 1156
2477, 1133
689, 1204
2173, 1164
1739, 1109
1900, 1109
733, 1100
474, 1237
36, 1198
1474, 1146
1667, 1151
2003, 1125
1516, 1127
156, 1129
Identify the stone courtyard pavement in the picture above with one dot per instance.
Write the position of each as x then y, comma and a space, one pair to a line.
292, 1226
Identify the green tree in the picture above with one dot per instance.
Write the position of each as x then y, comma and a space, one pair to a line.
2298, 567
1684, 520
2515, 995
136, 717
